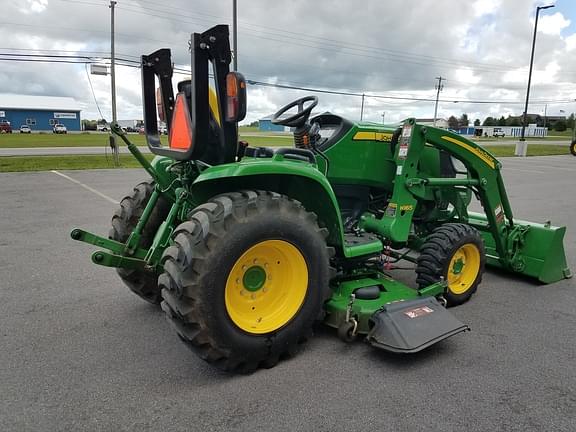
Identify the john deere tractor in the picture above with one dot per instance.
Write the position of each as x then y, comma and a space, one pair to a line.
246, 247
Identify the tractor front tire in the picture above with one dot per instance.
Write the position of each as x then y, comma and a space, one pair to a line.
453, 252
573, 148
141, 282
246, 278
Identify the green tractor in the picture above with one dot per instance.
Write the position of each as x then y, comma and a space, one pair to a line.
245, 248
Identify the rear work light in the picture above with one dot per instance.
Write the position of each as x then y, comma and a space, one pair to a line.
235, 97
181, 128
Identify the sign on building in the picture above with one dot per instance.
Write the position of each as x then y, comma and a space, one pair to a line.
2, 113
64, 115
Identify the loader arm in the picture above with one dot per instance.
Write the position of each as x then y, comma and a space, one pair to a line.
532, 249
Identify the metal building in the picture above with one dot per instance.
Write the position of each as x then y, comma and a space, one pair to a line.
41, 113
265, 124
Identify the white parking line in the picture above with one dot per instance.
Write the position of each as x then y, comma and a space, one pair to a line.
552, 167
100, 194
507, 168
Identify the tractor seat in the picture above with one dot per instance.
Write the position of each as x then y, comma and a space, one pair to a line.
291, 153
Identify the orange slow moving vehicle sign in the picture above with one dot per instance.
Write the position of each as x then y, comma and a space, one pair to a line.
181, 128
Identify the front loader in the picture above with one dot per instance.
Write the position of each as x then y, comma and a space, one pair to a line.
245, 248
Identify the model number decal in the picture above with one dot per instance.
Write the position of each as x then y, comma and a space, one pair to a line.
391, 209
418, 312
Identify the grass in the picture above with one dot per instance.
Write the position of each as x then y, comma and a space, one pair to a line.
17, 140
270, 141
533, 150
75, 162
47, 163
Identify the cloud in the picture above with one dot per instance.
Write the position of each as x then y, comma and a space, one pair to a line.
392, 48
552, 24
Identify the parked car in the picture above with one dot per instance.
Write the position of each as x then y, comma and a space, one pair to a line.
498, 133
5, 127
59, 129
102, 128
25, 129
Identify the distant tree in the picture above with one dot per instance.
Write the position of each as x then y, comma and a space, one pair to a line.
254, 124
538, 120
513, 121
463, 120
560, 125
501, 121
477, 122
88, 125
453, 122
101, 122
490, 121
570, 122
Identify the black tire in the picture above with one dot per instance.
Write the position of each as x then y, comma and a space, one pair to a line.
573, 148
346, 332
141, 282
436, 255
197, 267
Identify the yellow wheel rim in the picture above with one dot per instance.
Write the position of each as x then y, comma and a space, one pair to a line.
463, 269
266, 286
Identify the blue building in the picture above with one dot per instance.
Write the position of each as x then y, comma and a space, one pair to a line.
265, 124
41, 113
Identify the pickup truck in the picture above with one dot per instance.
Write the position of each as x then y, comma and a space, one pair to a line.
498, 133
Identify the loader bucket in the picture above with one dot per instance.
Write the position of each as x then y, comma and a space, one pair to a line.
540, 249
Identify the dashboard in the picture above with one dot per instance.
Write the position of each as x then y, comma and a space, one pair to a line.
332, 128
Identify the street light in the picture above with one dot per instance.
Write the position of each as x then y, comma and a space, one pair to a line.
235, 34
522, 147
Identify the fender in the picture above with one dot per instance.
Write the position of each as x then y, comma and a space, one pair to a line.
298, 180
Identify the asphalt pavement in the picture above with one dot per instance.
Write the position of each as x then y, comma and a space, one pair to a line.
79, 352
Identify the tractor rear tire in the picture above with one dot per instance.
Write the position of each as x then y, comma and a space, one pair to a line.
573, 148
142, 283
246, 278
453, 252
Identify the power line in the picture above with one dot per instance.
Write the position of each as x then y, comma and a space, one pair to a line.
136, 64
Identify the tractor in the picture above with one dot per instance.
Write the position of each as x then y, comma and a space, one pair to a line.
245, 248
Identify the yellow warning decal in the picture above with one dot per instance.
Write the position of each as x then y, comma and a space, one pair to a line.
489, 160
373, 136
213, 102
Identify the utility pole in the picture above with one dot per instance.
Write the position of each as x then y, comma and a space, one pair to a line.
439, 87
545, 117
235, 33
113, 144
362, 108
383, 116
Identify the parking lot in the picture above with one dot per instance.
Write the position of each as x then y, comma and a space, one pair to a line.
80, 352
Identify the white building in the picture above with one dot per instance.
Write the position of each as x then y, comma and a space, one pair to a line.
440, 122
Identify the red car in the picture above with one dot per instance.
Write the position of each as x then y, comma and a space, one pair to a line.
5, 127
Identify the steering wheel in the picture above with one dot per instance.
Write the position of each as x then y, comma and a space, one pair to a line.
305, 106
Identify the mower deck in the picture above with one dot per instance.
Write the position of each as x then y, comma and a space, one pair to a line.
394, 317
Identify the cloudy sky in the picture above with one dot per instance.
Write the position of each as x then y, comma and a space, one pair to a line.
392, 48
